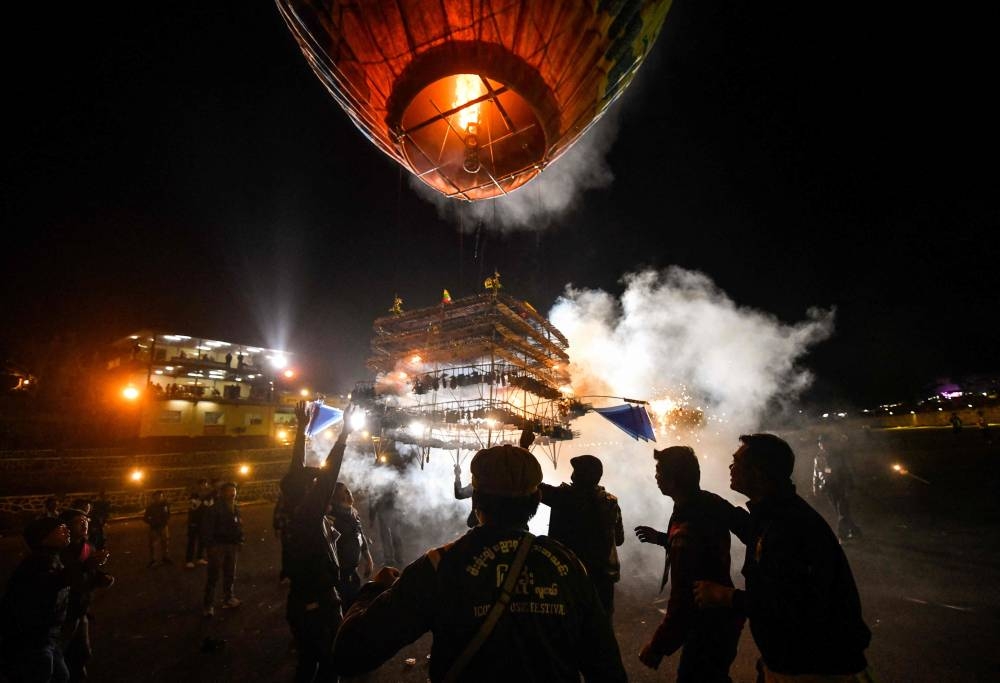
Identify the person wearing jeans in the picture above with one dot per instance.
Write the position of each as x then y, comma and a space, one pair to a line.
222, 535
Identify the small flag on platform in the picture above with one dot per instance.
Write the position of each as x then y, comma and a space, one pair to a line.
446, 297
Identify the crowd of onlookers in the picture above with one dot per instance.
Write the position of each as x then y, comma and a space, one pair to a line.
502, 603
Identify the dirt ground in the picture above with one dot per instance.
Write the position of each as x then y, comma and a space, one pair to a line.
928, 570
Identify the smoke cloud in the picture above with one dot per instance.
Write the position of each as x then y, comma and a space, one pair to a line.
548, 196
672, 337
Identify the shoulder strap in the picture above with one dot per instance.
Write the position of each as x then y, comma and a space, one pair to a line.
498, 610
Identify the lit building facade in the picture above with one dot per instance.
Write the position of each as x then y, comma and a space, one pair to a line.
179, 386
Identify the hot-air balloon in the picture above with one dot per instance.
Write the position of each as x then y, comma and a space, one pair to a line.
474, 98
470, 373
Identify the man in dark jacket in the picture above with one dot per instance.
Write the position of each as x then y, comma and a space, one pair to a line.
222, 536
157, 516
800, 597
99, 515
199, 501
33, 609
553, 629
83, 565
697, 543
588, 520
313, 608
352, 545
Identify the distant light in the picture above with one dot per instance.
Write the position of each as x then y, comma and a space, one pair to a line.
282, 435
357, 420
826, 414
304, 392
244, 469
402, 375
289, 373
130, 393
416, 428
136, 475
365, 434
384, 458
279, 361
415, 359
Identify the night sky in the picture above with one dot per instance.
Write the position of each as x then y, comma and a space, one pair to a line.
179, 166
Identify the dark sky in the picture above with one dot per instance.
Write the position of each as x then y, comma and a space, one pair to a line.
179, 166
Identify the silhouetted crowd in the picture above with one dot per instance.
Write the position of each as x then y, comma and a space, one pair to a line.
501, 602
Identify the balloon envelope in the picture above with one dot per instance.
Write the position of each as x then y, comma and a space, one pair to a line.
474, 98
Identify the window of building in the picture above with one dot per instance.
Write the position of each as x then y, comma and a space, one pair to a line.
170, 416
215, 418
254, 419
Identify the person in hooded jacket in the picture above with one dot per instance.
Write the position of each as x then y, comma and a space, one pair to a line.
697, 543
588, 520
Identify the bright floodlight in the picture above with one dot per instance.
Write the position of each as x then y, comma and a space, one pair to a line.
357, 420
279, 361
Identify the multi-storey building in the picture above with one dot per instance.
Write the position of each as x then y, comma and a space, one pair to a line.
184, 386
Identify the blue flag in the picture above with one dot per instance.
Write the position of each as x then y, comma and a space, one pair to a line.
322, 416
631, 419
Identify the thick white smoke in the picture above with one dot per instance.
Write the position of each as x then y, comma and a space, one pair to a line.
670, 333
675, 333
549, 195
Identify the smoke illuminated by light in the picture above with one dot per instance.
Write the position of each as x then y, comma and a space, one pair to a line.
357, 420
677, 329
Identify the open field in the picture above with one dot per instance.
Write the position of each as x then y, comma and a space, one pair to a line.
928, 569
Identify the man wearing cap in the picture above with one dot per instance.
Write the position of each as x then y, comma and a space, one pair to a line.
543, 622
33, 609
800, 597
588, 520
697, 543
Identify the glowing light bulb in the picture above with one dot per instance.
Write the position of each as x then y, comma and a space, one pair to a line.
244, 469
467, 88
